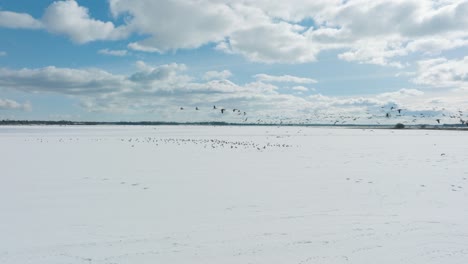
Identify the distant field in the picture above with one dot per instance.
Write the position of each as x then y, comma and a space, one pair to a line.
204, 194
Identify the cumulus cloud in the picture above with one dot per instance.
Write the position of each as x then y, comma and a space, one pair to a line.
175, 25
443, 73
118, 53
8, 104
18, 20
271, 43
209, 75
68, 18
150, 88
379, 52
244, 28
167, 73
139, 47
283, 78
380, 32
62, 80
402, 93
434, 45
375, 32
160, 90
300, 88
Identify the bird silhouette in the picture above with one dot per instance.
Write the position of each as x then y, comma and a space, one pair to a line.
196, 108
214, 106
438, 120
222, 110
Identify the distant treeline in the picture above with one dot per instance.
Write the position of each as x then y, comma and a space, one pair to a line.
162, 123
93, 123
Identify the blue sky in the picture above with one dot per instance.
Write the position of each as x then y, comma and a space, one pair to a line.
320, 61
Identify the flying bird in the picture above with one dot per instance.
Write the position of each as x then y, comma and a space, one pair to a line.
438, 121
222, 110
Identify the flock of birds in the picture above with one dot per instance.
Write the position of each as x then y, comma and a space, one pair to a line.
454, 117
223, 110
383, 115
205, 143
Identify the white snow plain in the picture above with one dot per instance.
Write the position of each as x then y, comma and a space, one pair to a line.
194, 194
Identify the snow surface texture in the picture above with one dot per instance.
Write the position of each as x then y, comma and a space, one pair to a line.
232, 195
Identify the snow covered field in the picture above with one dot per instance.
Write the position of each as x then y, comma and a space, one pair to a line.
180, 194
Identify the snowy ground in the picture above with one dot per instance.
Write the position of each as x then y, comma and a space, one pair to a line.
232, 195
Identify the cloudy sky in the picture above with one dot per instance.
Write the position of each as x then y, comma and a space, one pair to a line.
275, 60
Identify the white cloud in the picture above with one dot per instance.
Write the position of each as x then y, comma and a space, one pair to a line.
381, 32
62, 80
162, 89
209, 75
283, 78
3, 53
97, 82
140, 47
443, 73
434, 45
177, 24
68, 18
169, 74
300, 88
271, 43
18, 20
402, 93
375, 32
118, 53
375, 52
294, 10
150, 88
8, 104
